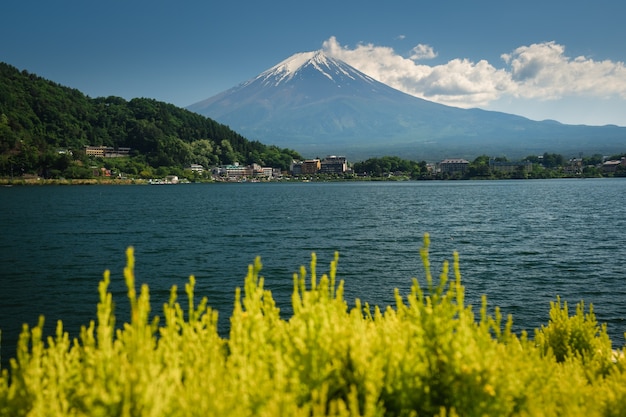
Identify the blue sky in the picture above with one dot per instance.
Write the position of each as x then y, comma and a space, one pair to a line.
561, 60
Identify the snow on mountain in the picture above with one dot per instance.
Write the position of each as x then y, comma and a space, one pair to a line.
319, 105
334, 70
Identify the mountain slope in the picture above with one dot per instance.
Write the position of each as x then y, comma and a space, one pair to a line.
39, 117
316, 105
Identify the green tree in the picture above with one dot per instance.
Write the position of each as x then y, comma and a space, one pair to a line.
203, 153
229, 155
590, 171
376, 167
595, 159
552, 160
479, 168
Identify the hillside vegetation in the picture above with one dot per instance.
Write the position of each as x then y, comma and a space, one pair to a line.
429, 355
40, 121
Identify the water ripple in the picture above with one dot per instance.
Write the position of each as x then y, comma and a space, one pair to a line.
521, 243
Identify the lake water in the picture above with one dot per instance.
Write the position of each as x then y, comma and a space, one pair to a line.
521, 243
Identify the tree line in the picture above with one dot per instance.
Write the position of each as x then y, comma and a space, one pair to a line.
45, 127
548, 165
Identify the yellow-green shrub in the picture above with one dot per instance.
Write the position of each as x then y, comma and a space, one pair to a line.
427, 355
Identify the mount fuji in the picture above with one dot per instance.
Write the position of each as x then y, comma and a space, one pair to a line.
318, 105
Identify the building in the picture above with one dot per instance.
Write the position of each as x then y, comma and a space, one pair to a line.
267, 172
106, 151
574, 167
334, 165
114, 153
453, 165
311, 166
295, 168
197, 168
96, 151
612, 166
236, 172
329, 165
510, 166
171, 179
261, 172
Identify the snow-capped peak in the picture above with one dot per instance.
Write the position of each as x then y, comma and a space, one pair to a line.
329, 67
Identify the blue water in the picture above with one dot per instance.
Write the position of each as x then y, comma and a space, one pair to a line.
521, 243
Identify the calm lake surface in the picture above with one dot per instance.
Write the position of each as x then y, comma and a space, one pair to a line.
521, 243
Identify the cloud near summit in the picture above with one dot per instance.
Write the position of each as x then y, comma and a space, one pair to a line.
540, 71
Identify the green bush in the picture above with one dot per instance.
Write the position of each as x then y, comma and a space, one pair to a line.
428, 355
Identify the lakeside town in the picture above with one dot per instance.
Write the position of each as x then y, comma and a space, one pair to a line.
333, 167
448, 168
338, 167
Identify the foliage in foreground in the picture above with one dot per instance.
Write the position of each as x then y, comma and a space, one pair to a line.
427, 356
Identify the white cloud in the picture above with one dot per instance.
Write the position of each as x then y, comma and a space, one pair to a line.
460, 82
544, 71
537, 72
422, 52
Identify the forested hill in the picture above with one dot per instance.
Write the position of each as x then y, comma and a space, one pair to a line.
40, 120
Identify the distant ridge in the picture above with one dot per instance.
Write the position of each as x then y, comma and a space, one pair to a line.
320, 105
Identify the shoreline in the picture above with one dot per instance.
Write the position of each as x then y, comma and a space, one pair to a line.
7, 182
36, 181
